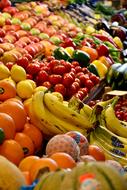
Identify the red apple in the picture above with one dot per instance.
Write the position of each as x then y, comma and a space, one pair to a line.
8, 21
22, 33
9, 65
31, 50
34, 39
23, 62
20, 44
2, 33
11, 10
10, 38
13, 33
1, 51
25, 39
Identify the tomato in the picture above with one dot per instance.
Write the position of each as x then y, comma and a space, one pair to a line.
60, 88
23, 62
76, 85
50, 58
79, 74
78, 69
75, 63
94, 79
47, 84
84, 90
33, 68
96, 152
53, 63
43, 76
59, 69
55, 79
29, 76
85, 70
47, 69
77, 80
67, 66
73, 70
72, 90
83, 78
67, 80
80, 95
89, 84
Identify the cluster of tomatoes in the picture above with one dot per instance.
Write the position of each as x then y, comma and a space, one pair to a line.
61, 76
121, 109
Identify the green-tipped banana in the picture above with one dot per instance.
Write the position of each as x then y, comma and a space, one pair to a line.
86, 110
66, 114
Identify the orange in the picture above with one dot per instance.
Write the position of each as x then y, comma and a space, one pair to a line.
16, 111
15, 100
35, 134
7, 90
63, 160
96, 152
91, 52
26, 174
26, 143
27, 162
40, 164
8, 125
12, 151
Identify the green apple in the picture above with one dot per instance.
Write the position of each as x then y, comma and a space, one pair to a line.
2, 21
55, 40
43, 36
6, 15
25, 26
16, 21
35, 31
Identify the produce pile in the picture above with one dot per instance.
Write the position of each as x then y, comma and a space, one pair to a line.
50, 64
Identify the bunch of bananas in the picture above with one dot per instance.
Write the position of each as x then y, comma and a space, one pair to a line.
111, 133
54, 116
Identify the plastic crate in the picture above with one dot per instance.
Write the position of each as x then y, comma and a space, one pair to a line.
30, 187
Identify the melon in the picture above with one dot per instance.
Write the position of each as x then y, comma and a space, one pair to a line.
11, 178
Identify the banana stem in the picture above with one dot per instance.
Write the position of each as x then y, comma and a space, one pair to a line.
115, 101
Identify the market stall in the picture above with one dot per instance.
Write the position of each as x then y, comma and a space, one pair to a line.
63, 95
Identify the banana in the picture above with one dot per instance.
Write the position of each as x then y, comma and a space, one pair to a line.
66, 114
113, 137
86, 110
34, 120
49, 120
114, 124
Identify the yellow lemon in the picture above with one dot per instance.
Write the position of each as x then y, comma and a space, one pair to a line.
40, 88
18, 73
90, 29
24, 89
32, 83
69, 50
4, 72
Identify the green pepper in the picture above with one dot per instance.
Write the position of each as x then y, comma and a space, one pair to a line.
82, 57
61, 53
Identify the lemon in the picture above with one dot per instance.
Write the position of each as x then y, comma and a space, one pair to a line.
24, 89
18, 73
118, 42
90, 29
4, 72
40, 88
102, 69
32, 83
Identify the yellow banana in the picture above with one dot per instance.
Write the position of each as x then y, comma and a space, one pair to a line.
114, 124
34, 120
86, 110
65, 113
49, 120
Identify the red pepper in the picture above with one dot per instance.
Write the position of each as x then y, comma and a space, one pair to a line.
104, 38
102, 50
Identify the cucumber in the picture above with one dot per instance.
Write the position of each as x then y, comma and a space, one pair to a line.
111, 72
82, 57
93, 69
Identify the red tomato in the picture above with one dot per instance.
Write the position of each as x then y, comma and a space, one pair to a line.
80, 95
47, 69
89, 84
78, 69
47, 84
77, 80
28, 56
94, 79
53, 63
67, 66
55, 79
28, 76
59, 69
96, 152
23, 62
60, 88
79, 74
67, 80
83, 78
33, 68
84, 90
43, 76
75, 63
50, 58
85, 70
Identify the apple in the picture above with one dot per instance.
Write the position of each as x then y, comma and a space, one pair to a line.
55, 40
23, 6
41, 9
6, 15
11, 27
11, 10
1, 52
20, 44
13, 33
21, 33
10, 56
32, 21
25, 26
16, 21
35, 31
2, 20
8, 21
7, 46
34, 39
1, 40
43, 36
25, 39
30, 50
10, 38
